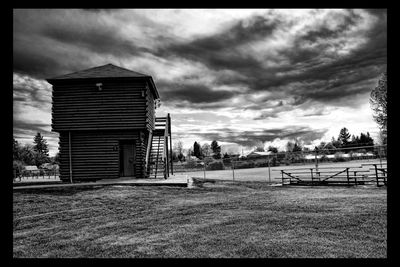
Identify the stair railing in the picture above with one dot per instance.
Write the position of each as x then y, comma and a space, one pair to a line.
158, 154
149, 143
165, 149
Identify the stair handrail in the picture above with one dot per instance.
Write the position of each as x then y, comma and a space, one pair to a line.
165, 147
149, 141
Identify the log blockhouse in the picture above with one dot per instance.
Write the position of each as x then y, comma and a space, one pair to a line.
105, 117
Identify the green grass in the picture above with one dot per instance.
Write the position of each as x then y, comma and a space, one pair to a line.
248, 219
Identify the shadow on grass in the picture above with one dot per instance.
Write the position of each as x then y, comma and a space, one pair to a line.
59, 191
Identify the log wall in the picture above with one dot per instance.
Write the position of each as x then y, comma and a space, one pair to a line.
119, 105
95, 154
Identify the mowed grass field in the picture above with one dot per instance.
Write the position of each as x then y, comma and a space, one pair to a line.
221, 219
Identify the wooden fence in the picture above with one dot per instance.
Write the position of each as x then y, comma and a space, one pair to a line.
336, 175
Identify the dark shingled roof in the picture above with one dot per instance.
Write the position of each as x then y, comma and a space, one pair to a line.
105, 71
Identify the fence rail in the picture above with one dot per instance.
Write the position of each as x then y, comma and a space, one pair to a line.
349, 171
36, 174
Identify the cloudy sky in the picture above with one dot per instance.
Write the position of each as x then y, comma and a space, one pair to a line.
242, 77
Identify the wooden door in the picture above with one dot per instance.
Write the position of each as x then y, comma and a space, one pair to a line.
128, 159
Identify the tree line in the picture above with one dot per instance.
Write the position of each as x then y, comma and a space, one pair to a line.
199, 151
36, 154
343, 142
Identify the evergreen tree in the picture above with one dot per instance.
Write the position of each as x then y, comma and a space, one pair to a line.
366, 140
273, 149
197, 150
370, 141
344, 136
335, 143
40, 144
358, 140
353, 141
42, 152
28, 155
297, 147
216, 149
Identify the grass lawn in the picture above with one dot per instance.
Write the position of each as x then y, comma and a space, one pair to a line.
222, 219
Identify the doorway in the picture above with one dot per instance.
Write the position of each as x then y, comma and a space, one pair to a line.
127, 158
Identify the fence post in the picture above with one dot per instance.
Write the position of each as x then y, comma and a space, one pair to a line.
348, 178
312, 176
376, 173
282, 177
355, 177
269, 170
233, 170
384, 176
204, 168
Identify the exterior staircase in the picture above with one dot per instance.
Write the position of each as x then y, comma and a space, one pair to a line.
158, 157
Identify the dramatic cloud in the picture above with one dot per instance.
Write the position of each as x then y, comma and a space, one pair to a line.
238, 76
256, 137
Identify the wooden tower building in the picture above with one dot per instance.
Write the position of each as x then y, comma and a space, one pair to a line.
105, 117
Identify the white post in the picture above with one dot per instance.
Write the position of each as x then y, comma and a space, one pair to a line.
269, 170
204, 164
233, 170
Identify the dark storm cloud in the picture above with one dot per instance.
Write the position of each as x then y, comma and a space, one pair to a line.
192, 93
48, 44
252, 138
324, 32
327, 73
219, 51
98, 37
21, 127
304, 65
306, 70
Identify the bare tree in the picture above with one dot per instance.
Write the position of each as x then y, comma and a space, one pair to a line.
206, 150
178, 149
378, 101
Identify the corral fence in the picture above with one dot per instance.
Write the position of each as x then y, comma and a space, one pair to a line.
359, 162
354, 175
34, 173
